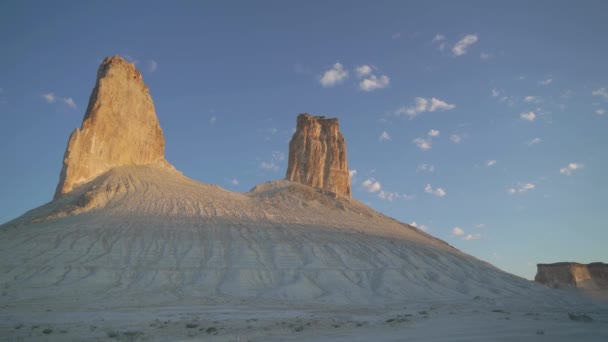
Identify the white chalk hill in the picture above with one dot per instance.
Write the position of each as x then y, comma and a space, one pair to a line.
151, 230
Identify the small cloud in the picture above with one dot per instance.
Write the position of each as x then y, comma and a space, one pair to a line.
212, 120
389, 196
438, 38
602, 92
333, 76
534, 141
434, 133
420, 226
422, 144
529, 99
396, 35
49, 97
371, 185
152, 65
570, 168
272, 165
423, 105
425, 168
462, 45
495, 92
546, 82
456, 138
384, 136
480, 225
530, 116
600, 111
69, 102
491, 162
372, 83
521, 188
485, 56
472, 237
363, 70
352, 173
234, 182
457, 231
439, 192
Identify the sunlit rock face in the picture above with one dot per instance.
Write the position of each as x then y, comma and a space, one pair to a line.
317, 155
572, 274
119, 128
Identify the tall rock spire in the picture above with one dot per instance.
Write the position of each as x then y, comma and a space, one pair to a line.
120, 127
317, 155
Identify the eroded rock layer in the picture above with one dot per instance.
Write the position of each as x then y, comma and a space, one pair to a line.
317, 155
572, 274
119, 128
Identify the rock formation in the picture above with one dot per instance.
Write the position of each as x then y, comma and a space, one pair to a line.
317, 155
592, 276
119, 128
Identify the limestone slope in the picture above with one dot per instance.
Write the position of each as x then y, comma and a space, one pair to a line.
150, 230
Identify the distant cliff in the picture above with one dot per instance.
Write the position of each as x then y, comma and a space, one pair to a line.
593, 276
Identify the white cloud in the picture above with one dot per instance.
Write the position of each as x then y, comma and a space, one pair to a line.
419, 226
480, 225
371, 185
234, 182
602, 92
570, 168
521, 188
69, 102
495, 92
389, 196
212, 120
485, 56
422, 144
372, 83
363, 70
462, 45
422, 105
272, 165
384, 136
352, 173
472, 237
434, 133
457, 231
529, 98
530, 116
334, 76
425, 168
456, 138
152, 65
534, 141
546, 82
438, 37
600, 111
49, 97
491, 162
439, 192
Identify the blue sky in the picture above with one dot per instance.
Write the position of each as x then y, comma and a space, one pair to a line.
482, 122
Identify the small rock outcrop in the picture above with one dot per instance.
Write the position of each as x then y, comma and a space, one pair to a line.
317, 155
119, 128
593, 276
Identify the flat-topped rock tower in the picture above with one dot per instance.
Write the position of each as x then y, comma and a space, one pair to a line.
317, 155
119, 128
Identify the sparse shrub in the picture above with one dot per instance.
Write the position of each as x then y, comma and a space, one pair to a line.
191, 325
580, 317
47, 331
211, 331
